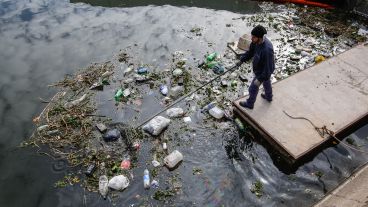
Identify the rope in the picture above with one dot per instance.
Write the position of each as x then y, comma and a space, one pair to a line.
186, 95
322, 131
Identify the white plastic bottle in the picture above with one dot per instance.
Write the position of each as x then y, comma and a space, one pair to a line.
146, 179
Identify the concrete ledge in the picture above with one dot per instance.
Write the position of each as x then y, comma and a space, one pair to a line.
352, 193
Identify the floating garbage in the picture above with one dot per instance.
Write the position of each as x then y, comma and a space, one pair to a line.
155, 163
173, 159
180, 81
126, 92
53, 132
175, 112
243, 78
154, 184
97, 86
128, 80
119, 95
218, 69
187, 119
136, 145
119, 182
239, 124
90, 169
304, 53
224, 83
176, 91
140, 78
127, 71
164, 90
234, 83
125, 164
142, 70
156, 125
111, 135
208, 106
146, 179
107, 74
101, 127
75, 102
164, 146
211, 57
177, 72
103, 185
319, 58
216, 112
43, 127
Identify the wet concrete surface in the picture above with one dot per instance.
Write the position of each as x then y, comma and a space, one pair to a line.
42, 41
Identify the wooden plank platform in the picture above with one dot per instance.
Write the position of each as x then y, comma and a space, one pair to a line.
333, 93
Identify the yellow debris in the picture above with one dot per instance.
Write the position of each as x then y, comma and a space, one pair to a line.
319, 58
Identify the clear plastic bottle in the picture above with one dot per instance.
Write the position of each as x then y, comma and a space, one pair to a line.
146, 179
209, 106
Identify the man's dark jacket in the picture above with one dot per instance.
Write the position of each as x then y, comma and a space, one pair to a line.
263, 59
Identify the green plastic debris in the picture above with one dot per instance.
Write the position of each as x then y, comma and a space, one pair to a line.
240, 124
234, 83
119, 95
211, 64
211, 57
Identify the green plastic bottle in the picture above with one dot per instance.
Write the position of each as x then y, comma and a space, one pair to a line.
240, 124
118, 95
211, 57
211, 64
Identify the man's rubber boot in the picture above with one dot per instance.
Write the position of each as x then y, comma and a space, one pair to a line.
245, 104
265, 97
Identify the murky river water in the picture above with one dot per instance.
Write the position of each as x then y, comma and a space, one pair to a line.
41, 41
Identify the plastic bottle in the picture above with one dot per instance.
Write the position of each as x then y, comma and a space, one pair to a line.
208, 106
211, 56
146, 179
173, 159
142, 70
239, 124
164, 90
119, 94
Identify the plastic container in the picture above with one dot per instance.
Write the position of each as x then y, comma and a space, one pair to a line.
146, 179
216, 112
119, 95
173, 159
103, 185
142, 70
208, 106
240, 124
244, 42
218, 69
211, 57
164, 90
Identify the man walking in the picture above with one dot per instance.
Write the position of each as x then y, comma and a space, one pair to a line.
261, 50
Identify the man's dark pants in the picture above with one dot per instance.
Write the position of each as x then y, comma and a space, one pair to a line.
253, 91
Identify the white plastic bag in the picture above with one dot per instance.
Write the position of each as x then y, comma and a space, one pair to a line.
175, 112
119, 182
156, 125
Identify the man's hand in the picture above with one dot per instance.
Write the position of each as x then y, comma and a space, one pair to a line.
257, 82
239, 63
